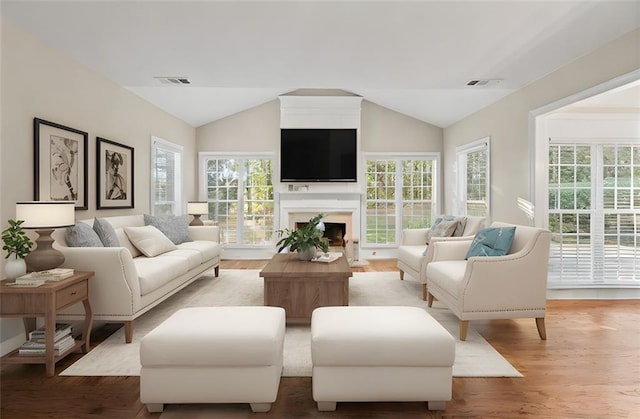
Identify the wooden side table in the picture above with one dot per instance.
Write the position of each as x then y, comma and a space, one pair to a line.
45, 301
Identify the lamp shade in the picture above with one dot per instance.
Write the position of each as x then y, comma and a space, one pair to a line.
46, 214
199, 208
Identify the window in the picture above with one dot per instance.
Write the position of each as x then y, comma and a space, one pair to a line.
166, 180
400, 193
594, 213
239, 189
473, 178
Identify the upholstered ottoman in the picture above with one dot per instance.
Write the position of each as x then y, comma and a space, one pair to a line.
380, 354
214, 355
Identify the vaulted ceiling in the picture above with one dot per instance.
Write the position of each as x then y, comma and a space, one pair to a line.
413, 57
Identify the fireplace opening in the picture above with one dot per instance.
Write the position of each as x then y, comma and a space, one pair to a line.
333, 232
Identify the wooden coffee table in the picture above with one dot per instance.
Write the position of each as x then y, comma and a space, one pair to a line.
300, 287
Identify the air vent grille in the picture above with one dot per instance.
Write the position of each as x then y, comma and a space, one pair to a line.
173, 80
483, 82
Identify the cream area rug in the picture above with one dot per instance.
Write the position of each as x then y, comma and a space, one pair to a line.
474, 357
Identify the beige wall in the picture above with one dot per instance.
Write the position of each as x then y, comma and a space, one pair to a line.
258, 130
255, 130
507, 123
385, 130
39, 81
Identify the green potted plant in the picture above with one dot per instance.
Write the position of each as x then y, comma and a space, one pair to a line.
17, 245
304, 240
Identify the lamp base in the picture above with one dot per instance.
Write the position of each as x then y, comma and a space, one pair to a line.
196, 220
44, 256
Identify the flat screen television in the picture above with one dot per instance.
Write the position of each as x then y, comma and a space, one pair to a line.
318, 155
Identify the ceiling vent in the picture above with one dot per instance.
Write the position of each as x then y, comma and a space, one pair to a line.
483, 82
173, 80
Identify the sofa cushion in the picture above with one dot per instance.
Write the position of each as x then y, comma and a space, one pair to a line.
492, 241
126, 243
460, 227
176, 228
208, 249
448, 274
444, 228
149, 240
193, 257
82, 235
106, 232
154, 272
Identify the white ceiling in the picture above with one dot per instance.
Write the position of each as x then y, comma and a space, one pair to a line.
413, 57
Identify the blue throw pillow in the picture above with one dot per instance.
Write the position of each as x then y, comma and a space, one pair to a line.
492, 241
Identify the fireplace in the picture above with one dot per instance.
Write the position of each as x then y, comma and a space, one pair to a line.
334, 232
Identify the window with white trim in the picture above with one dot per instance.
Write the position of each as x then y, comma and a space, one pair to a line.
401, 192
594, 213
239, 189
473, 178
166, 177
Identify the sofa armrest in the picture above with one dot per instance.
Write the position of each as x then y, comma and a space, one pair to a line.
115, 288
211, 233
516, 280
414, 236
448, 249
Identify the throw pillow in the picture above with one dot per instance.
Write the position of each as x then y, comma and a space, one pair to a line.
106, 232
442, 229
149, 240
462, 223
82, 235
124, 241
492, 241
175, 227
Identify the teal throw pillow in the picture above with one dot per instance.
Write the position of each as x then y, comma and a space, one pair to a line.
492, 241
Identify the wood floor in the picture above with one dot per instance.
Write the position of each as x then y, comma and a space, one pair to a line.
588, 368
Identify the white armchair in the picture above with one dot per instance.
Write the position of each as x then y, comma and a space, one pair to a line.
493, 287
411, 257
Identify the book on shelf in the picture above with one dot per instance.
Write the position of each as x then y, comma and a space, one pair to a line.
42, 351
41, 338
28, 283
62, 329
56, 274
62, 344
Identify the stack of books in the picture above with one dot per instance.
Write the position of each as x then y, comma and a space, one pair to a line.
35, 279
62, 341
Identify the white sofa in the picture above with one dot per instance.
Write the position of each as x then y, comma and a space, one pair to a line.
411, 257
125, 287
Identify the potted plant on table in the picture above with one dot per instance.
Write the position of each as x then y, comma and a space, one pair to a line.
17, 245
304, 240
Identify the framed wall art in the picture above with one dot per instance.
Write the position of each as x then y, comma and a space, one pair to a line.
60, 163
114, 176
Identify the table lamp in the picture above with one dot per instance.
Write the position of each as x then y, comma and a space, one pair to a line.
197, 209
44, 217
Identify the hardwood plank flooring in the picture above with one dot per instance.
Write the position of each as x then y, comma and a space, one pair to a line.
588, 368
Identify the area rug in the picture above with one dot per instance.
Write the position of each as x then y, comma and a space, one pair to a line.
474, 357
